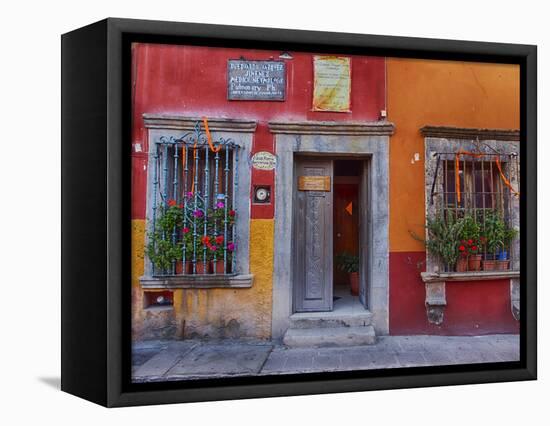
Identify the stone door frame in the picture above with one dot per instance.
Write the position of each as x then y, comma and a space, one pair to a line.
369, 139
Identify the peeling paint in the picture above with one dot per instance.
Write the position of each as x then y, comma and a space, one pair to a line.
216, 312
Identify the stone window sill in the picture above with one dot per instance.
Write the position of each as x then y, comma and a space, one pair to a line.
159, 308
198, 281
429, 277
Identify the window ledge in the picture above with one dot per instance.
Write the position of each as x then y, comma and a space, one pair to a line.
159, 308
198, 281
429, 277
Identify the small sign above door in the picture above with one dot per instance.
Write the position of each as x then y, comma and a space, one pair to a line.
314, 183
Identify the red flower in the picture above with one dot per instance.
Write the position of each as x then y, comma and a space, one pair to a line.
231, 213
462, 248
219, 239
172, 203
474, 248
185, 230
205, 240
470, 242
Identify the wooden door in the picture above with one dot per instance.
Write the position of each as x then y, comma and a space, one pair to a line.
312, 269
364, 233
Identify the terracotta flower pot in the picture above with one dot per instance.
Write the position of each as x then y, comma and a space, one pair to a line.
489, 265
502, 265
200, 268
217, 267
354, 281
462, 264
188, 267
474, 262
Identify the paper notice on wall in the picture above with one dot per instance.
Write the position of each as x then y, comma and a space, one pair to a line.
331, 83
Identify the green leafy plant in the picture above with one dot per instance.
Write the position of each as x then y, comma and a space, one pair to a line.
192, 227
164, 246
497, 233
471, 229
347, 262
470, 236
444, 238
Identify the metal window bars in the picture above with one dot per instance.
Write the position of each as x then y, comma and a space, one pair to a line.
483, 196
192, 229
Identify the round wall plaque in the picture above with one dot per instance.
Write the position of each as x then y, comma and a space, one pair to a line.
264, 160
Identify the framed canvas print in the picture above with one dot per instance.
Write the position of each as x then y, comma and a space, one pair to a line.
253, 212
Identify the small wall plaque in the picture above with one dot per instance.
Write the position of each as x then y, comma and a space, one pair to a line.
256, 80
314, 183
263, 160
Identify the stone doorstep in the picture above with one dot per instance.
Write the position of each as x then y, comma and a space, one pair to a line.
305, 320
328, 336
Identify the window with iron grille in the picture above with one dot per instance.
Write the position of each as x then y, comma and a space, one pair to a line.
193, 213
474, 199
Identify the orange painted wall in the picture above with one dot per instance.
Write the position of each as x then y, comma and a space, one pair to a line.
422, 92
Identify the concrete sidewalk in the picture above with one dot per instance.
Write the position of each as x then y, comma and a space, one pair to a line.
196, 359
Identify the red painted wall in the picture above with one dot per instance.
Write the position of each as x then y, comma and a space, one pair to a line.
191, 81
473, 308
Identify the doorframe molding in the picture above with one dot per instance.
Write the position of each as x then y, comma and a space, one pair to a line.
375, 146
374, 128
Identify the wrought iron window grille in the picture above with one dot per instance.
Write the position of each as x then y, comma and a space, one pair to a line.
482, 192
192, 228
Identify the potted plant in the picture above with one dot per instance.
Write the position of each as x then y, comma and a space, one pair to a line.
462, 260
198, 249
469, 247
498, 237
350, 263
474, 255
220, 217
195, 214
491, 224
164, 248
187, 244
503, 261
443, 242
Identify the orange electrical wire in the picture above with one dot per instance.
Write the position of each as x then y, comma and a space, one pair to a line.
209, 137
194, 158
183, 159
457, 177
504, 179
477, 155
210, 144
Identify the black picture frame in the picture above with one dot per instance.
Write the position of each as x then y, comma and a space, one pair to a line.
96, 220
